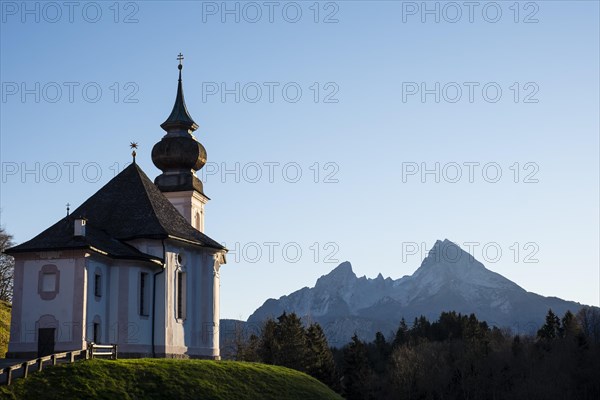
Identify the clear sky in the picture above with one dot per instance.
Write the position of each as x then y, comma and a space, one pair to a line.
351, 130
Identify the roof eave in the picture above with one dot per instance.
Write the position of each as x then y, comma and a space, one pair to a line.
196, 243
154, 260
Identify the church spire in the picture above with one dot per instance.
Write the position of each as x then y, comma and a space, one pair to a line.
180, 119
178, 154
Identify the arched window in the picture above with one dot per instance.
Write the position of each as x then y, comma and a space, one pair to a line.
197, 220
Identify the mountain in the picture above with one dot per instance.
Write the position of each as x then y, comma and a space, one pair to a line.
449, 279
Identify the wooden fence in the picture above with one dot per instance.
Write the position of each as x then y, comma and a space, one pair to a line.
102, 350
22, 369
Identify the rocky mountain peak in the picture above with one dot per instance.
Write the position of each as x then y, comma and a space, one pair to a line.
449, 254
339, 276
449, 278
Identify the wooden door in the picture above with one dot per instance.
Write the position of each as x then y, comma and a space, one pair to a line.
45, 341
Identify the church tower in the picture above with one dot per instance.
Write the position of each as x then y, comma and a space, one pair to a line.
179, 155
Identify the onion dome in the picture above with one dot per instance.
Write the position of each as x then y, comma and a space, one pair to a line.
178, 155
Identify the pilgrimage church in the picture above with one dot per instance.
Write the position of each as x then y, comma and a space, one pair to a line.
131, 266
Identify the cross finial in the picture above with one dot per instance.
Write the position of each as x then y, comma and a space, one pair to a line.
68, 209
133, 146
180, 59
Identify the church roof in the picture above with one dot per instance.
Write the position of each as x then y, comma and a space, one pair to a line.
128, 207
60, 237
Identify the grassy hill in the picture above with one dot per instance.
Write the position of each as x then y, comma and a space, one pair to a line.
4, 327
167, 379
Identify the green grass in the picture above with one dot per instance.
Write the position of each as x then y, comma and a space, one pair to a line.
167, 379
4, 327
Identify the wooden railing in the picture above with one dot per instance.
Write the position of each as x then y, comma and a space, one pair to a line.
22, 369
102, 350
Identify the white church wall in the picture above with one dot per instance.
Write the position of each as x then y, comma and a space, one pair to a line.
98, 301
160, 313
148, 246
174, 343
60, 307
112, 319
49, 293
195, 335
134, 326
190, 204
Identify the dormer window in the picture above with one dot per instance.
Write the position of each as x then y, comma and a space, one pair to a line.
79, 227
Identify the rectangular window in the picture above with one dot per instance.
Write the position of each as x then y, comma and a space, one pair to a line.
49, 282
96, 332
143, 293
180, 307
97, 285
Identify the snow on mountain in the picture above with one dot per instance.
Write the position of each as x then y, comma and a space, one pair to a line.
449, 279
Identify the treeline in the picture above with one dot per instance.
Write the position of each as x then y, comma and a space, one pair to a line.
288, 343
455, 357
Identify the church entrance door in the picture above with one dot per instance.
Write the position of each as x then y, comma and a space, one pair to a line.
45, 341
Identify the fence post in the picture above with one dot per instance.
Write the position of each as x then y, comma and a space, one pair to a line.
115, 355
25, 369
40, 364
8, 372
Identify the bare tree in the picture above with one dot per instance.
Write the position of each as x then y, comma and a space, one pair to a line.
589, 320
7, 267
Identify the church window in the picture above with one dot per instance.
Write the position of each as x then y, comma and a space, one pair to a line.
97, 285
144, 293
48, 282
180, 295
197, 220
96, 332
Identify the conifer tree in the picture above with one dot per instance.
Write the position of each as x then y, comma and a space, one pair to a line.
401, 337
357, 372
550, 330
290, 337
268, 346
320, 363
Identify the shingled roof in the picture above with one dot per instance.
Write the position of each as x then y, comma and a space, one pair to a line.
60, 237
128, 207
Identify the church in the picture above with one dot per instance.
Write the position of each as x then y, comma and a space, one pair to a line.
130, 266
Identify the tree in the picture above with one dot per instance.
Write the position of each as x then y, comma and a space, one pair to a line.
401, 337
7, 267
570, 327
290, 337
248, 350
551, 329
358, 375
406, 371
589, 321
320, 363
421, 330
268, 346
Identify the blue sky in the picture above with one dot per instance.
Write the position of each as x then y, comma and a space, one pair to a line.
341, 103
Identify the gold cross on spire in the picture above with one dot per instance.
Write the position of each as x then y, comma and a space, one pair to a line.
180, 58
